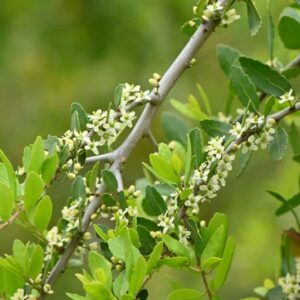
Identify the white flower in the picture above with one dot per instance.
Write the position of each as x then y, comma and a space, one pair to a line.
287, 97
127, 117
230, 17
54, 238
132, 211
249, 145
215, 148
93, 146
237, 130
172, 203
211, 11
184, 235
167, 223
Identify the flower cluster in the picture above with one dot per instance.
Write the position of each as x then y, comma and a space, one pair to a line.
230, 17
212, 11
20, 294
290, 284
288, 97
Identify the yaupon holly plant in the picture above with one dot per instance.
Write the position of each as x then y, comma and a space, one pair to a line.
157, 220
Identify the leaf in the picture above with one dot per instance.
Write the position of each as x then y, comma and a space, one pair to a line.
36, 262
145, 239
118, 94
37, 156
78, 188
96, 262
215, 244
110, 180
189, 162
163, 170
289, 28
99, 229
49, 168
224, 267
43, 214
269, 105
186, 294
243, 161
92, 177
244, 88
174, 245
254, 18
154, 257
294, 138
265, 78
278, 146
6, 202
205, 99
138, 276
120, 284
210, 263
174, 128
196, 146
288, 204
75, 123
81, 114
215, 128
33, 188
153, 203
227, 57
174, 262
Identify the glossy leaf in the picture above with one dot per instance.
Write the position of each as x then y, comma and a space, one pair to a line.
37, 156
138, 276
33, 188
215, 128
254, 18
154, 257
49, 168
81, 114
227, 57
186, 294
6, 202
118, 94
153, 203
110, 180
175, 246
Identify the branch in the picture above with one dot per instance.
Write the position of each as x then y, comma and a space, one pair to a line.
293, 64
142, 126
152, 139
12, 219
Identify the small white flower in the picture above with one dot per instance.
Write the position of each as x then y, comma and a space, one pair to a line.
230, 17
237, 130
184, 235
215, 148
167, 223
212, 11
93, 146
287, 97
127, 117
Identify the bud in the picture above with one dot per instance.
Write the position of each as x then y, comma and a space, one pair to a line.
93, 246
136, 194
271, 121
77, 166
156, 76
202, 223
172, 145
235, 147
193, 62
153, 82
114, 260
153, 234
94, 216
87, 236
47, 289
119, 268
131, 189
71, 176
195, 8
192, 23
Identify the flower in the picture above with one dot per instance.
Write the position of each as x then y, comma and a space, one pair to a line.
184, 235
127, 117
166, 222
93, 146
287, 97
215, 148
212, 11
237, 130
230, 17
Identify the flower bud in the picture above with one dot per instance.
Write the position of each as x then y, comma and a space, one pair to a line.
153, 82
156, 76
93, 246
71, 176
87, 236
131, 189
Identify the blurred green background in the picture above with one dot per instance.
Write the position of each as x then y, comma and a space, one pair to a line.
55, 52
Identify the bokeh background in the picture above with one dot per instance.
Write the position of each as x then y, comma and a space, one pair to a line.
54, 52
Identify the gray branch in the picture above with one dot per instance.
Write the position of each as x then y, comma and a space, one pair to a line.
181, 63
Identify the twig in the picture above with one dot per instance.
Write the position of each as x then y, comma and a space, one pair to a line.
142, 126
12, 218
293, 64
209, 294
152, 139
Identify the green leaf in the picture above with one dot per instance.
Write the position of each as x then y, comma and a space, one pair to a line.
204, 98
154, 257
215, 244
120, 284
98, 262
43, 214
288, 204
244, 88
145, 239
269, 105
75, 123
81, 114
190, 27
36, 262
224, 267
210, 263
254, 18
215, 128
100, 232
278, 146
265, 78
189, 162
10, 173
294, 138
37, 156
174, 262
175, 246
138, 276
49, 168
6, 202
118, 94
163, 170
289, 28
243, 162
174, 128
227, 57
153, 203
197, 146
110, 180
78, 188
77, 297
217, 220
92, 177
33, 188
186, 294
